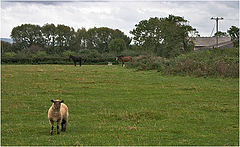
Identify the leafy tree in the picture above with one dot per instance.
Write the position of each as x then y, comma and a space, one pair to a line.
64, 35
26, 35
99, 38
167, 37
64, 38
120, 35
81, 39
57, 39
234, 33
117, 45
49, 32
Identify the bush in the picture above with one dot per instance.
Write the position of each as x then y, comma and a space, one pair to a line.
9, 54
67, 53
217, 62
146, 62
40, 54
92, 57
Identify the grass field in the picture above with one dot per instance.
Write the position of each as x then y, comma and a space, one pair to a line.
111, 105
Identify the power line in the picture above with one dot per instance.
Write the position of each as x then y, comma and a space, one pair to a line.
232, 19
212, 30
211, 34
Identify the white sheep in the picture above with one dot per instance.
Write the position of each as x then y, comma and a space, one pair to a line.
58, 112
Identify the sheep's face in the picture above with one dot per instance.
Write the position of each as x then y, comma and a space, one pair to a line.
57, 103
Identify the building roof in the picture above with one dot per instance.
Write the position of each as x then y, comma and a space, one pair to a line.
209, 41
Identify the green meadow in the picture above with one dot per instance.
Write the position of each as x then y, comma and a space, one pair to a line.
111, 105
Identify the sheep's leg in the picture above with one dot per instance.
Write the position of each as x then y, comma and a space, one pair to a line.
63, 125
58, 123
58, 132
51, 132
52, 124
66, 125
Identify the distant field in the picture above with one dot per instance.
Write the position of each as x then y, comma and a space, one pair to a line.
111, 105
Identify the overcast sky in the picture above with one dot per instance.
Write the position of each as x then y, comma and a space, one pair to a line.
120, 14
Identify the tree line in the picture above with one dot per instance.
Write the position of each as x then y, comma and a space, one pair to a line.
57, 39
166, 37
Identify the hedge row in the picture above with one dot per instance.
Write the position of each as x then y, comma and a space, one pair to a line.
55, 60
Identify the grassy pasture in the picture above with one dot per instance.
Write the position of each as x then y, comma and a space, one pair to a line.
111, 105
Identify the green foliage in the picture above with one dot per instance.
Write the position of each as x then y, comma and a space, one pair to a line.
65, 36
167, 37
220, 34
81, 37
30, 52
27, 35
99, 38
217, 62
117, 46
6, 47
89, 53
115, 106
147, 62
49, 32
234, 33
40, 54
35, 55
67, 53
57, 39
94, 57
8, 54
35, 44
133, 53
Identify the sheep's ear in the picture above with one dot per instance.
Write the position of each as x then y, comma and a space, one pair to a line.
62, 101
52, 101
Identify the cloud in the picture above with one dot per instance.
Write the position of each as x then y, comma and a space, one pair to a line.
122, 15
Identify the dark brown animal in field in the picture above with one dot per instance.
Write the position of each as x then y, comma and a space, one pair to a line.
76, 59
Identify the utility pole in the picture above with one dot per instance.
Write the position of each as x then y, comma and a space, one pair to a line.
217, 18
